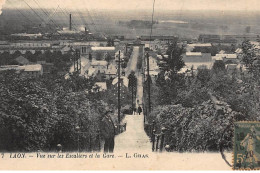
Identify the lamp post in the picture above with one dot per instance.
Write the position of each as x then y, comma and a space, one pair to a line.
148, 84
118, 88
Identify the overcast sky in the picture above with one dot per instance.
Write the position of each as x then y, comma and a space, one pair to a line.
241, 5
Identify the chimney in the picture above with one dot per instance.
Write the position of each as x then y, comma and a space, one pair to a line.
70, 23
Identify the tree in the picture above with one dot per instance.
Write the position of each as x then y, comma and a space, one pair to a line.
99, 56
108, 57
5, 58
48, 56
29, 56
36, 55
39, 114
133, 85
110, 42
218, 66
248, 55
174, 60
16, 54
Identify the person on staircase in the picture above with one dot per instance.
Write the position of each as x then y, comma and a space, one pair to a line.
139, 110
108, 132
134, 110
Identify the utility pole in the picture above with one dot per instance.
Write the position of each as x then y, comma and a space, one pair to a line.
148, 83
77, 62
118, 87
132, 97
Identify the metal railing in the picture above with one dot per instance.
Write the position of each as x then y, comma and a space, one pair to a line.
92, 142
120, 128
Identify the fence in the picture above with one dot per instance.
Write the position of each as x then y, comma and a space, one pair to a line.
157, 139
88, 142
120, 128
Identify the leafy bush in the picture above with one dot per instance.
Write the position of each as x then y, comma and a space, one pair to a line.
38, 114
194, 129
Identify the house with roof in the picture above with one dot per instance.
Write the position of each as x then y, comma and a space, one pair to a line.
191, 47
111, 71
100, 53
229, 58
124, 81
33, 70
190, 57
196, 60
20, 60
47, 67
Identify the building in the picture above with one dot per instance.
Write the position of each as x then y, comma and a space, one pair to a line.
229, 58
236, 38
47, 67
158, 37
196, 60
208, 38
191, 47
111, 71
100, 53
20, 60
124, 81
21, 36
154, 68
190, 57
232, 68
34, 70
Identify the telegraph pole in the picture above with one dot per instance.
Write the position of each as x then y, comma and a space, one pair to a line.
77, 61
118, 87
148, 83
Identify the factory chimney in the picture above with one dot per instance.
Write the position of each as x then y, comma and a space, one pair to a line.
70, 23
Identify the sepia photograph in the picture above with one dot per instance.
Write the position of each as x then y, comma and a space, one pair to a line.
130, 85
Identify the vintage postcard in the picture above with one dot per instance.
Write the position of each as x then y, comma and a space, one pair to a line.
129, 85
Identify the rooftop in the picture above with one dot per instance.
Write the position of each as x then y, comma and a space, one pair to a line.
99, 63
22, 60
229, 56
101, 85
125, 80
26, 35
34, 67
193, 54
200, 45
103, 48
196, 65
217, 58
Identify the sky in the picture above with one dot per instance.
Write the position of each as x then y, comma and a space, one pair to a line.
223, 5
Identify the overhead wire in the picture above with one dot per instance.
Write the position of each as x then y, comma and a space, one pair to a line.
67, 14
46, 13
34, 11
9, 1
91, 18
